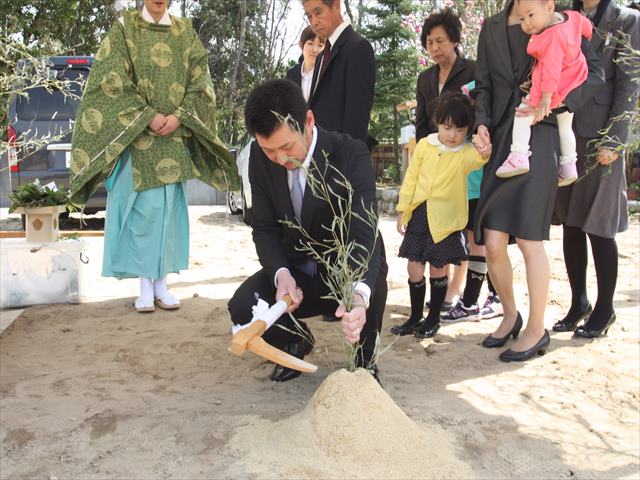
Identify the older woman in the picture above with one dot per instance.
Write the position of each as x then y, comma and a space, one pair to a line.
302, 74
146, 124
596, 206
521, 206
441, 39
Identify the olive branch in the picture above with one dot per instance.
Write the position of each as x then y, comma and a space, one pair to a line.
629, 59
20, 73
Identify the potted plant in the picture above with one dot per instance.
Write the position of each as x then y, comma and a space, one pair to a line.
41, 205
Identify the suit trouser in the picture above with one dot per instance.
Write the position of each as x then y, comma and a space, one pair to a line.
261, 285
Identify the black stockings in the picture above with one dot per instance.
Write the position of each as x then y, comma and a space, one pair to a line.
605, 260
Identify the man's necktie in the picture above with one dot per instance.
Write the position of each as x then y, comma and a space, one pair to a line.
296, 193
326, 54
308, 266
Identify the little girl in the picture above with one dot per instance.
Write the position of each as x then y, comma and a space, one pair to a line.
433, 208
560, 67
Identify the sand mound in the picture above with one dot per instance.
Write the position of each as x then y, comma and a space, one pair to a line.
350, 428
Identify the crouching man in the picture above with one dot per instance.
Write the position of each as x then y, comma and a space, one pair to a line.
287, 139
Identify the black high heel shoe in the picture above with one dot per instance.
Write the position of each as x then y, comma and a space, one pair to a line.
538, 349
568, 324
585, 332
407, 328
493, 342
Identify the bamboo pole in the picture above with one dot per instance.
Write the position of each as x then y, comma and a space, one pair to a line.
76, 233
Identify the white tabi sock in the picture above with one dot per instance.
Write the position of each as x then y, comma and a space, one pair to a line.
162, 294
145, 300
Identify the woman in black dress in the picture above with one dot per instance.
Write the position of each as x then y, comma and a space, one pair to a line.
596, 205
520, 206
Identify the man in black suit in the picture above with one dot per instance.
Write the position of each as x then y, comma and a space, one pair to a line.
345, 74
280, 148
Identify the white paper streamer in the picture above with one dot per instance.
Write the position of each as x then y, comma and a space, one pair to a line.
261, 311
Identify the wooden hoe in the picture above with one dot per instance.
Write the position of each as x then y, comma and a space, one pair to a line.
250, 338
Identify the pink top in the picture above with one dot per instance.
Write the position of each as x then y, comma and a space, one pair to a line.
560, 65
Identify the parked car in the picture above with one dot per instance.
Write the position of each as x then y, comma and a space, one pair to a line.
49, 114
239, 202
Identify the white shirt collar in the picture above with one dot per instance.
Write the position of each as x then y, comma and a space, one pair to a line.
435, 141
333, 38
146, 16
312, 147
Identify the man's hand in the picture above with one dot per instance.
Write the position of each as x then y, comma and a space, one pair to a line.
606, 156
353, 321
287, 285
401, 228
157, 123
170, 125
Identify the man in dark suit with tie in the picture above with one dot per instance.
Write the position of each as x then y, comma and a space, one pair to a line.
345, 74
281, 157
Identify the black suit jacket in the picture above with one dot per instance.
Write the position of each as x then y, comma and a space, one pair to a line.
620, 91
342, 98
427, 94
275, 242
295, 74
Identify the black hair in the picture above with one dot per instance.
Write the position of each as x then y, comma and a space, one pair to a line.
306, 35
455, 108
445, 19
272, 101
602, 6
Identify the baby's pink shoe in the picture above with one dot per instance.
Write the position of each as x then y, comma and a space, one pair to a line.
516, 163
567, 174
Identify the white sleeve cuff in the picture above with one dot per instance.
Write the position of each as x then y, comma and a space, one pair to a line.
275, 277
364, 290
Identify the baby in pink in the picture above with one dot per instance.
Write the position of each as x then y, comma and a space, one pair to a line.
560, 67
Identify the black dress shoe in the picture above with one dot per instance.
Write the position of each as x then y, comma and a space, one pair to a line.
427, 329
538, 349
407, 327
586, 332
493, 342
298, 349
330, 318
568, 323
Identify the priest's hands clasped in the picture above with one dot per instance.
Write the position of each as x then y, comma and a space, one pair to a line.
164, 125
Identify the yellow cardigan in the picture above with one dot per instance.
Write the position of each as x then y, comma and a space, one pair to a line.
438, 174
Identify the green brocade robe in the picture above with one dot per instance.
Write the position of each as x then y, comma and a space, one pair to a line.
142, 69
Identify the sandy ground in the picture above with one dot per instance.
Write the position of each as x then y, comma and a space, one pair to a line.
98, 391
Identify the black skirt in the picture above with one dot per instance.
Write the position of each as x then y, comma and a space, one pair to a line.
473, 205
418, 245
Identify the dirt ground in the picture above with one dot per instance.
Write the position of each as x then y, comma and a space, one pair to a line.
97, 390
